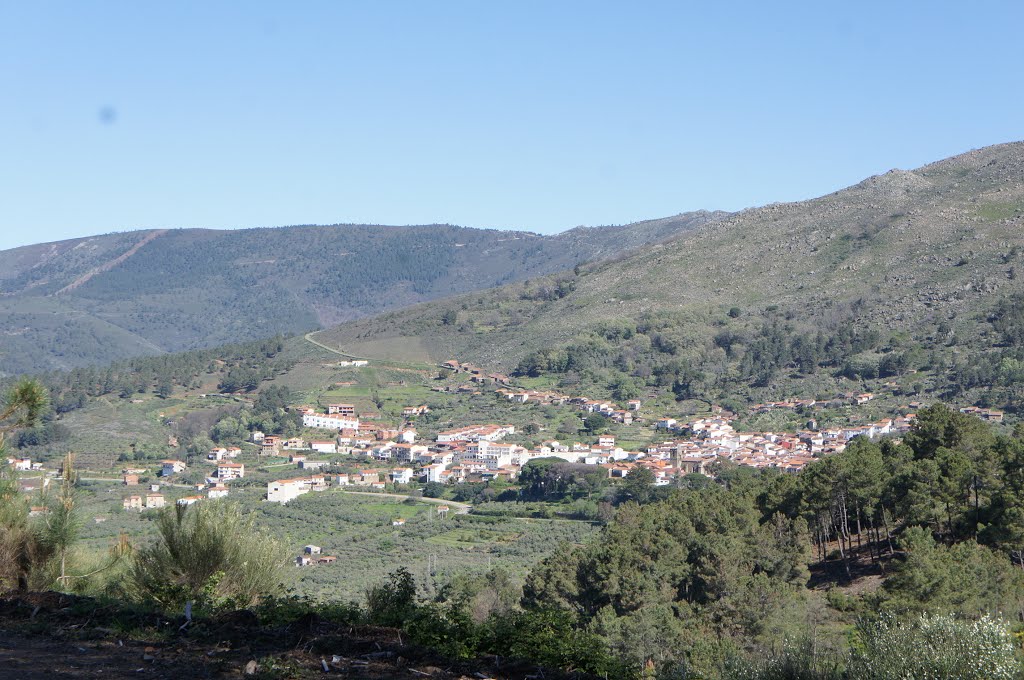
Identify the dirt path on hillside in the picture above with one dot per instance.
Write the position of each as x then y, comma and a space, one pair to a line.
110, 264
309, 338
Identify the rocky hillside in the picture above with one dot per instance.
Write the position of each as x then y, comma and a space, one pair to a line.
97, 299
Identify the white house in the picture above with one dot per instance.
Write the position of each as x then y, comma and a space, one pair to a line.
434, 472
324, 446
23, 464
218, 491
229, 471
284, 490
330, 422
401, 475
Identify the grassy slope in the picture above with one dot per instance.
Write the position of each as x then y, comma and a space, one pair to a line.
900, 251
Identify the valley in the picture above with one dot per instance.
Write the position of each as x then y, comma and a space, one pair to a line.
783, 420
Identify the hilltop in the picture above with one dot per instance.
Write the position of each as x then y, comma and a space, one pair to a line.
921, 264
94, 300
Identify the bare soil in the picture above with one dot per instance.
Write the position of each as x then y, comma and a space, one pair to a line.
55, 636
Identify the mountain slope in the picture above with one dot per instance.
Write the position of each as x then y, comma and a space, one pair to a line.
910, 255
107, 297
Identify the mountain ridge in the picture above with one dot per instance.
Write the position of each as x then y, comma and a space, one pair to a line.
905, 253
170, 290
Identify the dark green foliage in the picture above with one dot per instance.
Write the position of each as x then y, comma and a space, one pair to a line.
392, 603
554, 479
433, 489
547, 637
243, 366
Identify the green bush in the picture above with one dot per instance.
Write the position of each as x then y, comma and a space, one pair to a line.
392, 603
929, 646
208, 554
549, 637
935, 647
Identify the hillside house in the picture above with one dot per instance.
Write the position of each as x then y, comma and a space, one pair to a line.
270, 446
366, 477
313, 464
324, 446
330, 422
130, 479
228, 471
476, 433
170, 467
189, 500
284, 490
312, 550
20, 464
341, 409
401, 475
407, 453
154, 501
133, 503
217, 491
413, 411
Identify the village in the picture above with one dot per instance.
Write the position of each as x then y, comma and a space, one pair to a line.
338, 437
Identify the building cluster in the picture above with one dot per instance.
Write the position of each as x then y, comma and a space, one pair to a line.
477, 453
24, 464
214, 485
314, 555
606, 408
990, 414
714, 439
833, 402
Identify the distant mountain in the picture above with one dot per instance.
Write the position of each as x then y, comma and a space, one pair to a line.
93, 300
921, 269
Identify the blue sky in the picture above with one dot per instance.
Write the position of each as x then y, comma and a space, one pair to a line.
528, 115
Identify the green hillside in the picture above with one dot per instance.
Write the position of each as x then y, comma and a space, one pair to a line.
94, 300
907, 278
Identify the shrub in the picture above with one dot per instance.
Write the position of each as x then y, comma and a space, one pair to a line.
209, 554
392, 603
548, 637
935, 647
